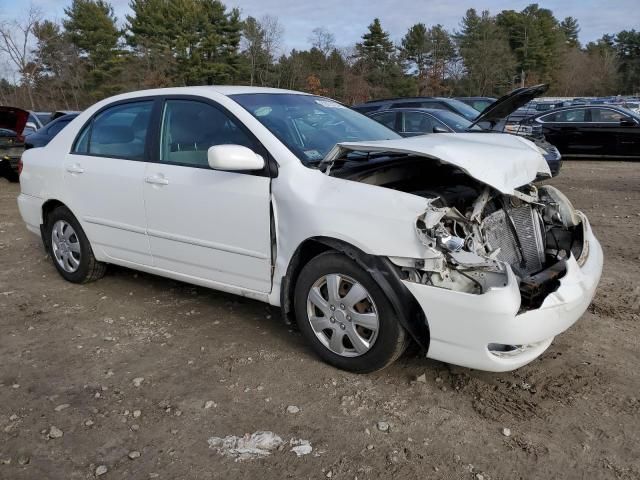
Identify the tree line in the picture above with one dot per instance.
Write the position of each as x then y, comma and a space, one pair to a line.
90, 55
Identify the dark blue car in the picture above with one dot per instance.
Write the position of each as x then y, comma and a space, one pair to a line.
44, 135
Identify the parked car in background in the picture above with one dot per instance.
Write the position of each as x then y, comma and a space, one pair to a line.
43, 136
449, 104
43, 117
591, 130
12, 126
410, 122
364, 239
60, 113
33, 123
478, 103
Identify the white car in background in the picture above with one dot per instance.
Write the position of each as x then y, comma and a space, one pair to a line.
365, 240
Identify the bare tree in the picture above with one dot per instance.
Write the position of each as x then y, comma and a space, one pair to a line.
323, 40
261, 42
15, 42
272, 41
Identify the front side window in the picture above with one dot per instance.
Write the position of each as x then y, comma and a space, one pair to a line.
416, 122
117, 132
190, 127
310, 126
605, 115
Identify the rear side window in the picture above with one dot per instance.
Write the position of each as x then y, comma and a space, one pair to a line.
190, 127
565, 116
56, 127
117, 132
388, 119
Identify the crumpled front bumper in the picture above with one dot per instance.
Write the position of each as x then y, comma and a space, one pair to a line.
463, 325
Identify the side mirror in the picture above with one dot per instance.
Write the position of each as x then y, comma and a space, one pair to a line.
439, 129
627, 122
30, 126
233, 158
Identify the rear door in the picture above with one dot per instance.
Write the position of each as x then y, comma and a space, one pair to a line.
203, 223
104, 175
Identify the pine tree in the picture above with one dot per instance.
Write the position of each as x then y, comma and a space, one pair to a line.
90, 25
486, 54
570, 29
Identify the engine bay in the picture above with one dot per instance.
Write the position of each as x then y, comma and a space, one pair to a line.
472, 231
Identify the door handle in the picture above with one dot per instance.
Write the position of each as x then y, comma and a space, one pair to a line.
75, 168
156, 180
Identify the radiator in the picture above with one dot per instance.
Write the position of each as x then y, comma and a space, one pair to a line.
524, 250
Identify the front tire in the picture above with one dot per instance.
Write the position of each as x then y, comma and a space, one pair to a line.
345, 316
70, 248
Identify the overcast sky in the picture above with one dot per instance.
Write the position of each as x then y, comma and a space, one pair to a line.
348, 20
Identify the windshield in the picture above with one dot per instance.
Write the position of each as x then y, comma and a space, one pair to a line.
463, 109
454, 121
310, 126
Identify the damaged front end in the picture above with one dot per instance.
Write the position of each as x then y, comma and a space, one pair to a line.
471, 242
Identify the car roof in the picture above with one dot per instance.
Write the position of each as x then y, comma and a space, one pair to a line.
403, 100
476, 98
410, 109
204, 89
577, 107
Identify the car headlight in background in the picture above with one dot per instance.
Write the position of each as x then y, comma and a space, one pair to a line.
524, 130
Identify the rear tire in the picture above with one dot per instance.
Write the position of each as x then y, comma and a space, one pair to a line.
355, 328
70, 249
12, 176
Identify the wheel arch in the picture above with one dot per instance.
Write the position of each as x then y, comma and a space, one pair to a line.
48, 207
405, 306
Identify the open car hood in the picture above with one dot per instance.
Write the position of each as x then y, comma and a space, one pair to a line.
504, 162
13, 119
509, 103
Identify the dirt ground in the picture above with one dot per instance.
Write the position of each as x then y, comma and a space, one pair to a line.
69, 355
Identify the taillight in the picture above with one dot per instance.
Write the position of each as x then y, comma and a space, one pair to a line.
19, 166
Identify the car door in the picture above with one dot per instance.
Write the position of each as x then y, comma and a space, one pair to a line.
613, 130
104, 174
566, 129
202, 223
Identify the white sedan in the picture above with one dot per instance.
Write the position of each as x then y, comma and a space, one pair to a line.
364, 239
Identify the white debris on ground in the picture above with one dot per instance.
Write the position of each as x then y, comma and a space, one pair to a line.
301, 447
256, 445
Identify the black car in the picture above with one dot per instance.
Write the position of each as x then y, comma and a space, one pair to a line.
591, 130
479, 103
448, 104
46, 133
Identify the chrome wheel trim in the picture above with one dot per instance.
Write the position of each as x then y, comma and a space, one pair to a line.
343, 315
65, 246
